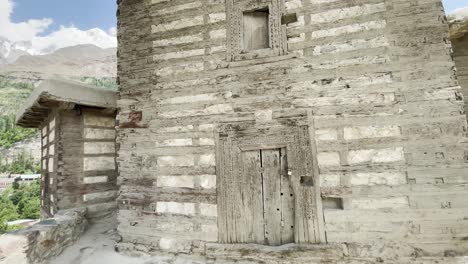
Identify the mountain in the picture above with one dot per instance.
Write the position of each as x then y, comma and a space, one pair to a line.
81, 60
9, 53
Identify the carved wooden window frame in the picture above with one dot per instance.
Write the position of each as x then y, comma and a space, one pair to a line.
277, 32
297, 137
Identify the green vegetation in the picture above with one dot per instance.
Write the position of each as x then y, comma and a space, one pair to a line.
105, 83
12, 95
10, 133
23, 164
21, 201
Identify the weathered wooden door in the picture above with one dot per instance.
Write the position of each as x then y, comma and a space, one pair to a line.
267, 185
272, 213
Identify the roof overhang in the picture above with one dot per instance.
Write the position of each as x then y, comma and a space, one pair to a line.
458, 29
63, 94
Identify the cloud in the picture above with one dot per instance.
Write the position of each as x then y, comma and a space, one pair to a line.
459, 14
27, 34
71, 36
23, 31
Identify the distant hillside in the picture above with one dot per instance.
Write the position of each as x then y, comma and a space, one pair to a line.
81, 60
12, 95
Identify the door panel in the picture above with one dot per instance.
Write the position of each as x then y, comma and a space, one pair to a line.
272, 196
252, 197
287, 202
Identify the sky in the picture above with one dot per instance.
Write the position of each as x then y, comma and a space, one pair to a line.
46, 25
451, 5
43, 26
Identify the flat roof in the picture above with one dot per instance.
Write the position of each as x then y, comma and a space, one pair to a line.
56, 93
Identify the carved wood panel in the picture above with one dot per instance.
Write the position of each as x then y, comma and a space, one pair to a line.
235, 10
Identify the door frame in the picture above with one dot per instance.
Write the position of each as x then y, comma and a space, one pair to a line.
297, 136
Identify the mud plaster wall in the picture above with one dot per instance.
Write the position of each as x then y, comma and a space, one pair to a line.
460, 55
387, 111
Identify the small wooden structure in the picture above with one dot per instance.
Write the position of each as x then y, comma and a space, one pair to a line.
77, 124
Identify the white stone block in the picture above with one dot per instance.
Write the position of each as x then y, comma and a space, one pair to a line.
380, 203
326, 134
98, 196
52, 135
174, 245
207, 160
330, 180
175, 208
95, 120
208, 181
326, 159
293, 4
213, 18
351, 133
346, 13
51, 149
95, 179
206, 142
176, 161
96, 133
264, 115
206, 128
52, 124
383, 178
218, 34
176, 181
99, 148
99, 163
376, 155
177, 142
209, 209
51, 165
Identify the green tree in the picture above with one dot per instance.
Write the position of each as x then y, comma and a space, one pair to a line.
31, 209
7, 213
23, 202
23, 164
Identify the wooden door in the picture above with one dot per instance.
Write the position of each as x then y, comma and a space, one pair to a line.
278, 200
267, 198
267, 186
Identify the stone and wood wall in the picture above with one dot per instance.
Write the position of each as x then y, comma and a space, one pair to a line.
459, 38
77, 124
86, 161
370, 83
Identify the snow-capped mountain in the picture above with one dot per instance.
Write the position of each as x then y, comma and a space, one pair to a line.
9, 52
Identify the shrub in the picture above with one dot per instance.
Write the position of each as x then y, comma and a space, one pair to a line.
10, 133
23, 202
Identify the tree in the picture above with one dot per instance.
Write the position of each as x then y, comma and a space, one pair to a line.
31, 209
24, 202
7, 213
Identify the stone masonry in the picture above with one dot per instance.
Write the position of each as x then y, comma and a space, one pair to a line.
361, 95
459, 38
